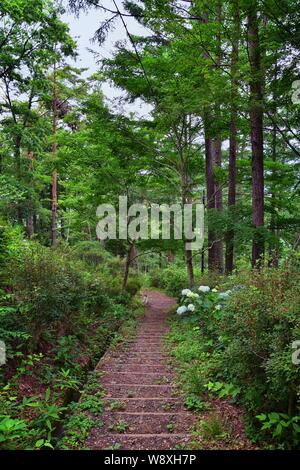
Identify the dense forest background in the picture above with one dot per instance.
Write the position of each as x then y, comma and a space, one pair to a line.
222, 82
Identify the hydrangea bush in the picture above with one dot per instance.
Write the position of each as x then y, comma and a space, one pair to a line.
205, 301
243, 338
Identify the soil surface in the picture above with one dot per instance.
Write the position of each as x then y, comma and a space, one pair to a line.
143, 405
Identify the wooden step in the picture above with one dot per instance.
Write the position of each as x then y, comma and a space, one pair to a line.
137, 391
166, 441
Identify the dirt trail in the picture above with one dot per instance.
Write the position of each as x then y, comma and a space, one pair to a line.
143, 406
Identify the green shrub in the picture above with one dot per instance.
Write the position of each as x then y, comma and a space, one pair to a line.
90, 251
11, 242
48, 288
242, 346
260, 322
173, 279
133, 286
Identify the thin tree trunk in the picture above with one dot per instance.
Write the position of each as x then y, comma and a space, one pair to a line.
229, 258
17, 153
186, 199
212, 155
210, 191
217, 150
188, 254
54, 173
129, 258
62, 228
30, 220
217, 158
257, 143
274, 248
203, 249
170, 257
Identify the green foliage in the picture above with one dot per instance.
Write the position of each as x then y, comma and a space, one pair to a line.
223, 390
90, 252
259, 324
242, 350
133, 286
172, 279
120, 426
117, 405
11, 431
194, 403
283, 428
65, 380
48, 286
213, 427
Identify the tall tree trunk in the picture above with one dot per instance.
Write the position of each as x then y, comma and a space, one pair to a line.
212, 158
203, 249
129, 259
17, 153
257, 142
189, 266
211, 202
186, 199
217, 158
30, 220
170, 257
188, 254
54, 173
62, 228
217, 149
274, 248
233, 138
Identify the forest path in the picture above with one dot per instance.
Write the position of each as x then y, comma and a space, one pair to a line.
143, 405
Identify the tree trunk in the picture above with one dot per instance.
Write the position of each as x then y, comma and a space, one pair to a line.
212, 157
30, 219
188, 254
211, 203
62, 228
217, 158
233, 138
170, 257
17, 153
129, 258
257, 144
217, 149
274, 248
54, 173
203, 249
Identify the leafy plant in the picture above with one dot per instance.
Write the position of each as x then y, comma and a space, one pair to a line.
213, 427
116, 405
65, 380
171, 427
282, 426
194, 403
11, 430
223, 390
120, 426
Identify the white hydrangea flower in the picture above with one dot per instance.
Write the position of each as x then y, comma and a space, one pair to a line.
181, 310
218, 307
192, 295
191, 307
214, 290
186, 292
204, 289
223, 295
